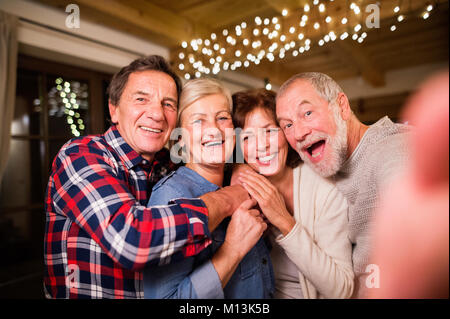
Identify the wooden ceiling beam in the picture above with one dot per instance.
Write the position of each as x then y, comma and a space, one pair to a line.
140, 17
348, 51
290, 5
218, 14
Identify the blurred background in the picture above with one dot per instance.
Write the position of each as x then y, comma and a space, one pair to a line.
57, 72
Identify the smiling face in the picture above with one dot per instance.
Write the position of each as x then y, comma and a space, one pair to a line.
313, 128
209, 134
147, 111
263, 143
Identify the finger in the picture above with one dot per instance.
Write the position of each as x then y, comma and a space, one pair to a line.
260, 220
257, 186
264, 227
257, 178
253, 192
247, 204
254, 212
263, 186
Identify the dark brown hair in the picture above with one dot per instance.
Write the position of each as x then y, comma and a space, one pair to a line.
149, 63
245, 102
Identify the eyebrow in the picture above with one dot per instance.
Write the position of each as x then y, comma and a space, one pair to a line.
203, 114
265, 126
299, 104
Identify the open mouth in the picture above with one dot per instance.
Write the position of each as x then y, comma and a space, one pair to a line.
316, 149
213, 143
149, 129
266, 159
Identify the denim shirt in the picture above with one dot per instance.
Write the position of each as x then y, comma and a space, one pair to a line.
196, 277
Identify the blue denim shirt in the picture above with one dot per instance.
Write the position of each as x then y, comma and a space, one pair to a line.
195, 277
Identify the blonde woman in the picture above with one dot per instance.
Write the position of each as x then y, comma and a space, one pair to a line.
237, 263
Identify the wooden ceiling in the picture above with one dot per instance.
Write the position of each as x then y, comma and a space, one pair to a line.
169, 22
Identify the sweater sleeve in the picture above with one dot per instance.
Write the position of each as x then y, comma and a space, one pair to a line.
325, 257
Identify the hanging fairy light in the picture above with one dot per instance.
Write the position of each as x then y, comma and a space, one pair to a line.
270, 38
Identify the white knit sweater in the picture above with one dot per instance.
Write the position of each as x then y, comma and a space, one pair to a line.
318, 244
379, 156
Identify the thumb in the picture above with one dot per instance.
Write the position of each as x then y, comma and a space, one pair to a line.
247, 204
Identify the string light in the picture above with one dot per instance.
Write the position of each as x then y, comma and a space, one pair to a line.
277, 35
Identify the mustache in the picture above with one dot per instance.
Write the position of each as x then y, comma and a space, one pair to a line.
311, 139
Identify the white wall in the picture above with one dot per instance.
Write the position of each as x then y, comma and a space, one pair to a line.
397, 81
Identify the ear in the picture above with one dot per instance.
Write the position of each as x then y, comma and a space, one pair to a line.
113, 113
344, 106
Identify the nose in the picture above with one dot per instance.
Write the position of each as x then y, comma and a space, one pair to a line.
155, 112
301, 132
263, 141
211, 129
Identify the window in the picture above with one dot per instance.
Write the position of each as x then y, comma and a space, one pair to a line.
54, 102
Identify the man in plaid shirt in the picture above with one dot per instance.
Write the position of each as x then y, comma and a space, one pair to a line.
99, 234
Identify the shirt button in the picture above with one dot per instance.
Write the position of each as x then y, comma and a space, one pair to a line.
264, 261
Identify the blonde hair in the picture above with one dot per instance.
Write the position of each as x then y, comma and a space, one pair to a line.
196, 89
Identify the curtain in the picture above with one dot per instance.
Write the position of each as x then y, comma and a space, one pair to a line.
8, 70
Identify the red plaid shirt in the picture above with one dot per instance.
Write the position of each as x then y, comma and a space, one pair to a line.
99, 234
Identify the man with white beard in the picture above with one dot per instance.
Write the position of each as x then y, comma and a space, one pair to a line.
319, 124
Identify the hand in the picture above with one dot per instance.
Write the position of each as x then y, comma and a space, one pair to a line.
245, 229
269, 199
412, 223
237, 168
223, 203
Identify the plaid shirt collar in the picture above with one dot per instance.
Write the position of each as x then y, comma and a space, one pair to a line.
127, 155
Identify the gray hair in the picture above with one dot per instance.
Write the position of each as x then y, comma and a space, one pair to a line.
325, 86
196, 89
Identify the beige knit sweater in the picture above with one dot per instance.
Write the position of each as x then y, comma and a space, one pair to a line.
379, 156
319, 244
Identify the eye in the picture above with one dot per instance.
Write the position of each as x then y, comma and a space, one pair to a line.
140, 99
246, 137
197, 121
286, 126
308, 113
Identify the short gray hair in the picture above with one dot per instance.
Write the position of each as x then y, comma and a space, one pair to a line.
196, 89
325, 86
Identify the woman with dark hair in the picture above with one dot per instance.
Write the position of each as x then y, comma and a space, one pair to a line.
311, 253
